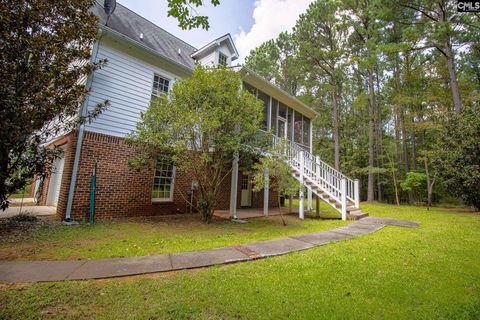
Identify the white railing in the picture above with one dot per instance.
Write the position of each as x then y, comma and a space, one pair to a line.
313, 171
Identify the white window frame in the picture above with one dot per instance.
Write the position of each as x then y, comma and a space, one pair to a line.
172, 185
220, 55
156, 74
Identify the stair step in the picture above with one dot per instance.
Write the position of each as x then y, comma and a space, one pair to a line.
357, 215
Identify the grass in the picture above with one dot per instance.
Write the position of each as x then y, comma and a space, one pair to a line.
25, 193
429, 272
139, 238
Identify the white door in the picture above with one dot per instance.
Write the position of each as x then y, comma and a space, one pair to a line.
55, 182
246, 197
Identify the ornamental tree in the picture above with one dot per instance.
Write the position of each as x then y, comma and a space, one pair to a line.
273, 170
41, 46
199, 125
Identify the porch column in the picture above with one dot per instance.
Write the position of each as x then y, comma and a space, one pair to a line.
301, 213
233, 187
266, 191
309, 200
317, 207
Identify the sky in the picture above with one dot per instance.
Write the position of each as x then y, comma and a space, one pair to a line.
250, 22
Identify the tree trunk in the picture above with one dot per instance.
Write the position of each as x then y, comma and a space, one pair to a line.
336, 134
371, 138
405, 153
429, 184
394, 177
379, 137
448, 52
414, 150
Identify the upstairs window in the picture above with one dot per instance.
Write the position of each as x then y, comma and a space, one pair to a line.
160, 85
222, 59
163, 181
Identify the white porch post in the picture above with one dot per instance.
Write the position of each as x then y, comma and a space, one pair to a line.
233, 187
356, 193
301, 213
266, 191
343, 195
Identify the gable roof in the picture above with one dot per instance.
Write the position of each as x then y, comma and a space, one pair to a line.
132, 25
217, 42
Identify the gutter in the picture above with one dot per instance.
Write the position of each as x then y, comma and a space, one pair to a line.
81, 133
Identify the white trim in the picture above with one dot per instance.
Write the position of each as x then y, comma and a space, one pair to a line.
172, 186
161, 75
257, 81
217, 42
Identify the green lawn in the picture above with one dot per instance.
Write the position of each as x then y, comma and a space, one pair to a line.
25, 193
431, 272
166, 235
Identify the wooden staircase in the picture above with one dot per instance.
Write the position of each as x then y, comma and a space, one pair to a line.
330, 185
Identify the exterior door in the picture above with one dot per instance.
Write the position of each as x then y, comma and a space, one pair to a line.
246, 197
55, 182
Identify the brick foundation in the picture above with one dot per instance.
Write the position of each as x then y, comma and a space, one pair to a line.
122, 191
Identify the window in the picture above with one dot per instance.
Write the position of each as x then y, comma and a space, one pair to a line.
250, 89
306, 131
266, 101
290, 124
160, 85
297, 127
163, 181
282, 111
273, 120
222, 59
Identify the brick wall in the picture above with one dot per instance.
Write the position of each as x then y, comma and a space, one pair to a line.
122, 191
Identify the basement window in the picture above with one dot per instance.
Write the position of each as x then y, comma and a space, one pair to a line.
163, 181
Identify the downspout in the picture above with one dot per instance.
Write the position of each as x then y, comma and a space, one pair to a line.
81, 133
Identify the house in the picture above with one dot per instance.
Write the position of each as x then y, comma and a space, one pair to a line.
144, 61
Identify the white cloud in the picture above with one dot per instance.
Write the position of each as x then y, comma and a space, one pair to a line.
271, 17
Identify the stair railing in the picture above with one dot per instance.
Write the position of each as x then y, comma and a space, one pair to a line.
317, 172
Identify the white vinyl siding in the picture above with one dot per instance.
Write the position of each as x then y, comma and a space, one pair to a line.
208, 60
126, 82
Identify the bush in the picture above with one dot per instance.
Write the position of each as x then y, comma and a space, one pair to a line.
24, 217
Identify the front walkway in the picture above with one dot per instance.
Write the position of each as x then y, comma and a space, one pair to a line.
35, 271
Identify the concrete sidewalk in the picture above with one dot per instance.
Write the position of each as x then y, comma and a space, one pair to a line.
36, 271
35, 210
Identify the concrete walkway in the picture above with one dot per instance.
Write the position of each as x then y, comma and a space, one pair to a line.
36, 271
35, 210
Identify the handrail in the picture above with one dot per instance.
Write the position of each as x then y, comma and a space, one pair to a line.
318, 172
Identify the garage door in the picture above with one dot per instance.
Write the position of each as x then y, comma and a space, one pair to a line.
55, 182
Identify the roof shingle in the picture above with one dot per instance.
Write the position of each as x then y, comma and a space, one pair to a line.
131, 25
